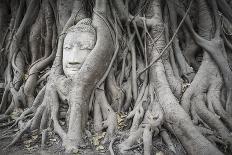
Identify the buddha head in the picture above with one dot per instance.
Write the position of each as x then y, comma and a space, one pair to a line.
78, 43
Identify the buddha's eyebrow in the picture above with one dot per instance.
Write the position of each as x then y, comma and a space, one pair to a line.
79, 43
67, 45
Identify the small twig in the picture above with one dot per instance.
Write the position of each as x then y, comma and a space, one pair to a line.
134, 147
6, 137
7, 124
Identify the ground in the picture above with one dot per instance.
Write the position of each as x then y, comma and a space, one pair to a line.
30, 143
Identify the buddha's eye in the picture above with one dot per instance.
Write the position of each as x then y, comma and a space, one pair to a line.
67, 47
83, 47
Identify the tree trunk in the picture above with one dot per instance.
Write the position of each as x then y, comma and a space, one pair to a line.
141, 71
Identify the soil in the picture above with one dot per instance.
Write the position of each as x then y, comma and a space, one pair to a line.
30, 143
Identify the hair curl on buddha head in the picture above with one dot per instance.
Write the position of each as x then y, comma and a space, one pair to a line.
83, 25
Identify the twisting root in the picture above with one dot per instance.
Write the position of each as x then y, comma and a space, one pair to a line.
134, 147
116, 93
211, 119
38, 100
19, 134
167, 140
4, 117
111, 145
44, 137
4, 98
152, 120
109, 116
7, 124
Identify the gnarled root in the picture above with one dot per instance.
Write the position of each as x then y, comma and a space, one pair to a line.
106, 118
152, 120
116, 94
211, 119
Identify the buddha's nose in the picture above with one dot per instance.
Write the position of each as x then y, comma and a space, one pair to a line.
75, 57
75, 60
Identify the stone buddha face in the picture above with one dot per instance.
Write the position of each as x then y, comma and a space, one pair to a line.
78, 43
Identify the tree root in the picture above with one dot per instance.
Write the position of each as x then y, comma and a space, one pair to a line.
152, 120
186, 70
19, 134
167, 140
117, 95
128, 93
211, 119
4, 117
111, 145
44, 137
7, 124
38, 100
3, 105
109, 116
214, 97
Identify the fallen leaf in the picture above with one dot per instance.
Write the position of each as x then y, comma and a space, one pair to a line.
97, 138
35, 137
14, 115
27, 145
62, 123
35, 132
75, 151
159, 153
53, 140
96, 141
100, 147
27, 142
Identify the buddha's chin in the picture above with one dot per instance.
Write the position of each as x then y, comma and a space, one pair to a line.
71, 72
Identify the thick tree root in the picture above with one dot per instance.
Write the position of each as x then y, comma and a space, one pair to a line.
153, 118
109, 118
167, 140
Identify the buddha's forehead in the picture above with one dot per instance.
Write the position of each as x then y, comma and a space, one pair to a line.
79, 37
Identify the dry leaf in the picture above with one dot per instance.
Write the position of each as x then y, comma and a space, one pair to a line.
159, 153
35, 137
100, 147
53, 140
121, 120
96, 141
14, 115
75, 151
98, 137
27, 145
27, 142
35, 132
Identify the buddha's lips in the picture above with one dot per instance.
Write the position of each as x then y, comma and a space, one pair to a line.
73, 66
